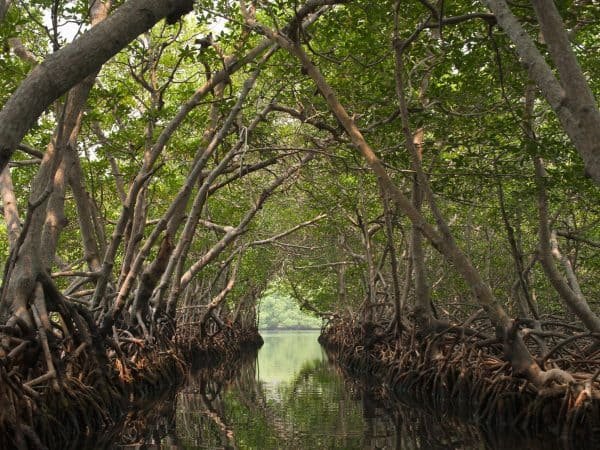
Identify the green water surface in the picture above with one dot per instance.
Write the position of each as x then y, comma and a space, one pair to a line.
289, 398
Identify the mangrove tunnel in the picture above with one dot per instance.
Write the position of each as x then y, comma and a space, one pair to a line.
420, 177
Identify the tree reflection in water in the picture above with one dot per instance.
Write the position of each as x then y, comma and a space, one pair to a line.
317, 407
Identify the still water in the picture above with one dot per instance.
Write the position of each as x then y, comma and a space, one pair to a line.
291, 397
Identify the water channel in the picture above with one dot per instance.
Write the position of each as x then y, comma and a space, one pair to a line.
291, 397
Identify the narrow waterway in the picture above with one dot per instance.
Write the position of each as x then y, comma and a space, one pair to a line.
291, 397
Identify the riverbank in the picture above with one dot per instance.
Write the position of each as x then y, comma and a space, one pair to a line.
84, 402
152, 423
95, 397
451, 375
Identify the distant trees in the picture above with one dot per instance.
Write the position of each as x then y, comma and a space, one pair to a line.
278, 310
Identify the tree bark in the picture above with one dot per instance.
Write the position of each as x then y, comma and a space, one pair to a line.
11, 211
422, 309
55, 217
370, 278
4, 5
389, 232
67, 149
85, 212
579, 98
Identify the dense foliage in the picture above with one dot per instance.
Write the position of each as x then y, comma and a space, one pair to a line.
409, 163
465, 90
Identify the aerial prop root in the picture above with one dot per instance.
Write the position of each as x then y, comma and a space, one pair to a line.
229, 340
469, 374
61, 367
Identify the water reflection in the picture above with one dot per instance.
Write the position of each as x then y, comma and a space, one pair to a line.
292, 397
284, 353
288, 398
310, 405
